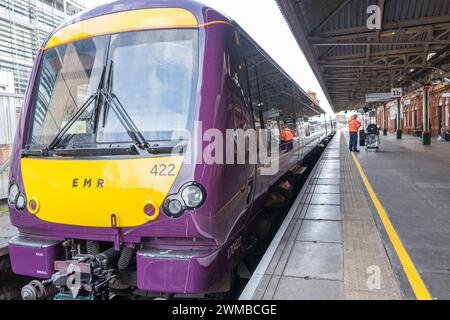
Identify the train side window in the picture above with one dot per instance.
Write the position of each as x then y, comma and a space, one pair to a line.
238, 103
248, 53
240, 115
254, 94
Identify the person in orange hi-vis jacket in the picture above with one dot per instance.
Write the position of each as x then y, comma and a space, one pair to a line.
287, 138
353, 127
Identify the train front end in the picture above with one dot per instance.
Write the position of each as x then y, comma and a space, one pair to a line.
99, 188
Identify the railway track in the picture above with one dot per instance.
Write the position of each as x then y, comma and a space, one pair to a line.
10, 284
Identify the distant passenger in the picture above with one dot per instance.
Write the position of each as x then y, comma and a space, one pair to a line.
353, 127
287, 139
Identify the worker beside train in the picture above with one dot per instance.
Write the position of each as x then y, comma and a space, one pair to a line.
287, 138
353, 127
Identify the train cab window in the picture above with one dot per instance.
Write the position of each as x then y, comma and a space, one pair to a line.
153, 74
69, 74
154, 77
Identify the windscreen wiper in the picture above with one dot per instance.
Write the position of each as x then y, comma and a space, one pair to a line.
57, 140
113, 102
125, 119
93, 97
86, 152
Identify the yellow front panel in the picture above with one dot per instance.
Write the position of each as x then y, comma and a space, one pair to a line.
124, 21
120, 186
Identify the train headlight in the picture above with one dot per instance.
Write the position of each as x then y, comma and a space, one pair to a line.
13, 193
174, 208
193, 195
21, 202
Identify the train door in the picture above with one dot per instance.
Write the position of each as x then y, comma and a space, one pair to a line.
254, 93
240, 106
243, 171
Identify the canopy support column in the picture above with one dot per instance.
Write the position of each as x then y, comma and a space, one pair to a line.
426, 134
385, 129
399, 119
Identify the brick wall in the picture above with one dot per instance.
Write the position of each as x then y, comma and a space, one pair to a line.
416, 106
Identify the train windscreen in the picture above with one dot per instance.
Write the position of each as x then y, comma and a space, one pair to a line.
152, 74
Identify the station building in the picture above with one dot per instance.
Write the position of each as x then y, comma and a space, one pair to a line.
24, 25
411, 106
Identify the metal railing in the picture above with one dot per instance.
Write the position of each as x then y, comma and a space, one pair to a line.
4, 179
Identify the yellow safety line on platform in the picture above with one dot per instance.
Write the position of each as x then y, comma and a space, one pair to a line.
420, 290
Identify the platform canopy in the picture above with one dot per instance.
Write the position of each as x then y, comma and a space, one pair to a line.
350, 60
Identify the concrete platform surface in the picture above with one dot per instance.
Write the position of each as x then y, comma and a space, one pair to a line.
328, 244
413, 183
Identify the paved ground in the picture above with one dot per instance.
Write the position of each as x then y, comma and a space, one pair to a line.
3, 209
10, 284
4, 181
329, 244
368, 272
6, 232
413, 183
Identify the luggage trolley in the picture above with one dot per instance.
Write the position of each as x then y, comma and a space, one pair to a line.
372, 137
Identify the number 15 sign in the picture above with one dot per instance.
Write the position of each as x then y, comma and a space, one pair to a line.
396, 92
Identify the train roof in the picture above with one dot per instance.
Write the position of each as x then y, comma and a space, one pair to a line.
205, 14
195, 7
274, 70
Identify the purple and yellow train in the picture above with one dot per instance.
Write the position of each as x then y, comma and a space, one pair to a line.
99, 197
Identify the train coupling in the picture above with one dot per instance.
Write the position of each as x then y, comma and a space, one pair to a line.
84, 277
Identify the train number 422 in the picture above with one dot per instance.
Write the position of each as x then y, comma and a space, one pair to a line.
163, 170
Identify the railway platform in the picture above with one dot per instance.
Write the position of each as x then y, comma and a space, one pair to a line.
372, 225
10, 285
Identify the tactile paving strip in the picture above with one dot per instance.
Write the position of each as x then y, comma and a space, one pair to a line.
368, 274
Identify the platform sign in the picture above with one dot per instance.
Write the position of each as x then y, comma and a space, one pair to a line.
378, 97
396, 92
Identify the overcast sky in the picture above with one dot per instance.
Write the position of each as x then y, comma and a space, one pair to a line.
268, 27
